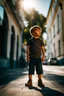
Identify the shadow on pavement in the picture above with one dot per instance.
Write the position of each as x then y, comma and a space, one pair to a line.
11, 75
56, 78
47, 91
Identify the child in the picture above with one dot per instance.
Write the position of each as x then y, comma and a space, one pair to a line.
35, 47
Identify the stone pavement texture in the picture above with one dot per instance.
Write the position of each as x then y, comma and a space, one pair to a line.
16, 87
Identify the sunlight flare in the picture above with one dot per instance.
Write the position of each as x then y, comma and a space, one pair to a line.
28, 4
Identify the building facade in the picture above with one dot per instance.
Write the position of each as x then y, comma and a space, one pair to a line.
10, 37
55, 30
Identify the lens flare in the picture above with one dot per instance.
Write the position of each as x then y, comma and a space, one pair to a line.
28, 4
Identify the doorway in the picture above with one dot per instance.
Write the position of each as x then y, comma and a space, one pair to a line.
12, 47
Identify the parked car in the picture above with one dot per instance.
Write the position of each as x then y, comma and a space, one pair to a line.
45, 62
52, 61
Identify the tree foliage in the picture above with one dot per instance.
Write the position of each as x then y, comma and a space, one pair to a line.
33, 18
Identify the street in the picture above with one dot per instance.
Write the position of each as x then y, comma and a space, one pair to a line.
12, 83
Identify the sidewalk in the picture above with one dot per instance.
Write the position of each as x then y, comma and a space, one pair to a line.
16, 86
59, 69
54, 69
8, 71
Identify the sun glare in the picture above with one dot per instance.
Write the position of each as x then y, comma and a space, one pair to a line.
28, 4
44, 36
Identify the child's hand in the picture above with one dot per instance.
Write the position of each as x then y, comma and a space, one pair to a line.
43, 58
28, 59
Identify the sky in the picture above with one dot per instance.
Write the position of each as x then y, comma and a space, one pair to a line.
1, 12
42, 6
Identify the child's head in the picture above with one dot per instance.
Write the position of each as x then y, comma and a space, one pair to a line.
35, 31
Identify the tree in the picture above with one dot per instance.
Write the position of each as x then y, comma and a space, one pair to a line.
33, 18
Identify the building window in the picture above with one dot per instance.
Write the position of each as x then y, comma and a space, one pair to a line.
59, 47
55, 4
3, 32
58, 23
1, 15
60, 4
53, 30
54, 50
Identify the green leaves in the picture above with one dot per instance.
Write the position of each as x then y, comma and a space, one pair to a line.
34, 18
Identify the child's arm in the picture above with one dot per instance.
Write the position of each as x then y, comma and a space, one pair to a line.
43, 53
28, 53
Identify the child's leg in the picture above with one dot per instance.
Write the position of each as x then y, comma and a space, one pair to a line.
31, 71
29, 83
30, 76
40, 76
40, 83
